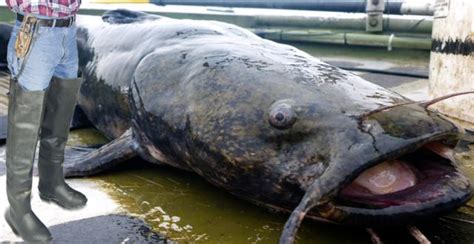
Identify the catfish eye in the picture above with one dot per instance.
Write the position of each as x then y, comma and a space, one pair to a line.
282, 116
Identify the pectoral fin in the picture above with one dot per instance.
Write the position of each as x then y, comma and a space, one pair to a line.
80, 161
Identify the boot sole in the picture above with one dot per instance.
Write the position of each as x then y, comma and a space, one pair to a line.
9, 222
53, 200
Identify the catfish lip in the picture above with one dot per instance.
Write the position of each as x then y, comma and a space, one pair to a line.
416, 177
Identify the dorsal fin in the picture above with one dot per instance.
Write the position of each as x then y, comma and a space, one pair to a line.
124, 16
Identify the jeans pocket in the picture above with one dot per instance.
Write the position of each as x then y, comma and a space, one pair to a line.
16, 64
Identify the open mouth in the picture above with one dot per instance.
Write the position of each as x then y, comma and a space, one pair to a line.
414, 178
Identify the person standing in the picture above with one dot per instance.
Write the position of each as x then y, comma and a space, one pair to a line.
43, 60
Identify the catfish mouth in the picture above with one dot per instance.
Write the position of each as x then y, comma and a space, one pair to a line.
425, 175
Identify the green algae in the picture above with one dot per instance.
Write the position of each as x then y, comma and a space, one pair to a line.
88, 136
184, 207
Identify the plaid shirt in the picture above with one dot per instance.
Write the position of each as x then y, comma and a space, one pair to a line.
49, 8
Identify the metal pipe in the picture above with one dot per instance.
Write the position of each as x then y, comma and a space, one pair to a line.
347, 37
392, 7
335, 20
418, 8
398, 7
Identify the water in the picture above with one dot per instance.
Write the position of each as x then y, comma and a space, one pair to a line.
183, 206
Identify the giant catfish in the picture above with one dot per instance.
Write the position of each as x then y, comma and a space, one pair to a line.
264, 121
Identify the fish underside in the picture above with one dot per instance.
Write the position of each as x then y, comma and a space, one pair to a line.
264, 121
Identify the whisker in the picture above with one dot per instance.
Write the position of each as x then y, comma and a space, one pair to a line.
420, 237
459, 220
374, 236
424, 104
439, 99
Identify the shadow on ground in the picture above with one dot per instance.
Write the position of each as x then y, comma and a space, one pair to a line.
112, 229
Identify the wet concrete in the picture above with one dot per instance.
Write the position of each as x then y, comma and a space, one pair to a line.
99, 204
103, 220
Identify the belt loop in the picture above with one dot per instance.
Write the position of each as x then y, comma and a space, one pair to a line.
72, 19
54, 23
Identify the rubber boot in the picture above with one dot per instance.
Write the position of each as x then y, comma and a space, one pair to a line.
25, 113
59, 109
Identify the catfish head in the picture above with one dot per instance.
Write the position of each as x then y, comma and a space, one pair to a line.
276, 126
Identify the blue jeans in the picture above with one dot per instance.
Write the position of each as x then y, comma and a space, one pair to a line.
53, 52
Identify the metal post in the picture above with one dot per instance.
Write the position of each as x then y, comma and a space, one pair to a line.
452, 57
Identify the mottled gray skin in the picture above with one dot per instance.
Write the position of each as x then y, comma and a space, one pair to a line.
5, 32
197, 95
